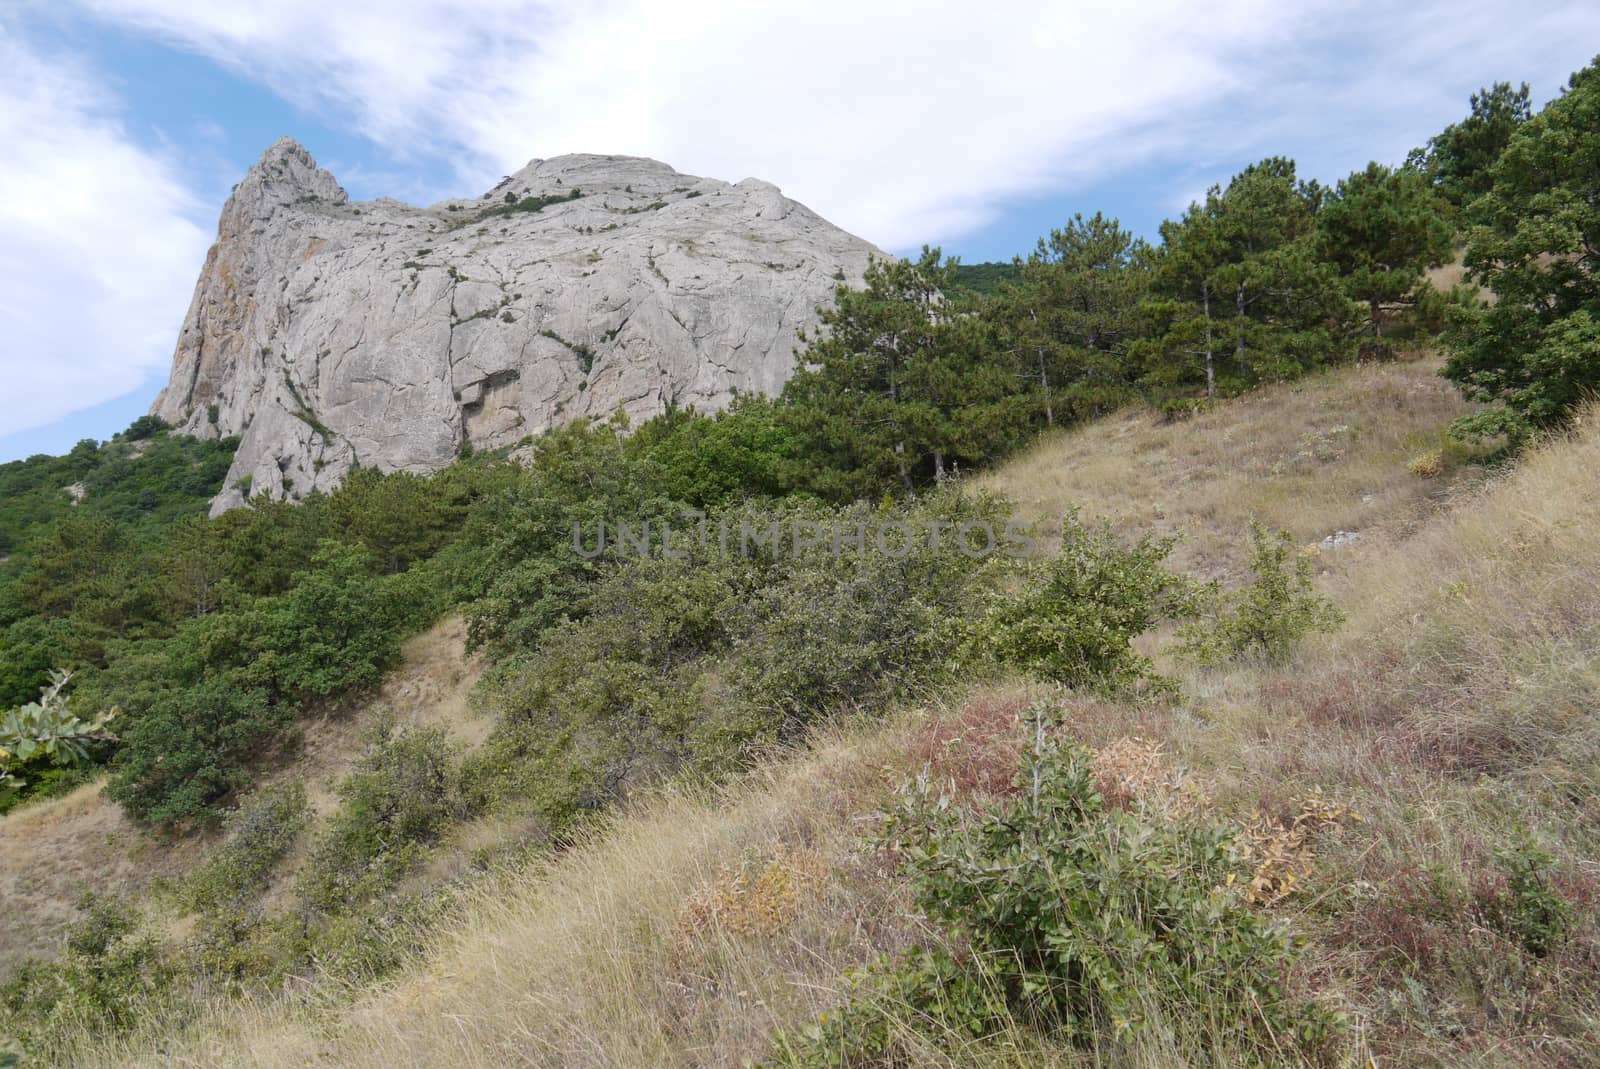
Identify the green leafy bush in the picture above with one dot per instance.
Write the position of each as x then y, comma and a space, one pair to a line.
1068, 919
193, 747
1524, 904
1268, 617
711, 461
516, 566
260, 832
46, 732
334, 629
671, 665
1077, 616
111, 971
403, 792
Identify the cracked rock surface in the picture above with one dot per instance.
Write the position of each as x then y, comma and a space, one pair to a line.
327, 333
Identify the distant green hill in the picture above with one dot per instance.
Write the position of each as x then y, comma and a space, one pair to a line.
143, 480
985, 278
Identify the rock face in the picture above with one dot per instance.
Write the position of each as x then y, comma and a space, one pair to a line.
327, 333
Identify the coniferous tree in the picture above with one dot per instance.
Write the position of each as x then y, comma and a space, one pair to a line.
900, 385
1458, 159
1535, 241
1069, 317
1383, 228
1238, 288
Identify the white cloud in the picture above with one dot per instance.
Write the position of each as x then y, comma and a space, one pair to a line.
98, 250
899, 120
903, 121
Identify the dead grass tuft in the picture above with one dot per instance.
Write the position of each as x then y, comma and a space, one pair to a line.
1138, 771
755, 901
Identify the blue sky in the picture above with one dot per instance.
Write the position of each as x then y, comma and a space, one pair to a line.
128, 121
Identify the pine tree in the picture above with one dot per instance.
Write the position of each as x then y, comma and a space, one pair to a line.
902, 384
1383, 228
1535, 241
1238, 287
1458, 159
1069, 317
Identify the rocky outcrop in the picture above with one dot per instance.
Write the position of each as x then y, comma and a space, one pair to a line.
327, 333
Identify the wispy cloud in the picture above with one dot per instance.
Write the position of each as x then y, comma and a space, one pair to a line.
899, 120
98, 244
904, 121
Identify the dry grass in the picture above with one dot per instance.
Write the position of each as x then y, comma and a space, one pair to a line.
1459, 712
53, 852
593, 963
1324, 454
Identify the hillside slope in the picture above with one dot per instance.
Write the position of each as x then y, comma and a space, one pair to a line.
1455, 713
1315, 457
59, 849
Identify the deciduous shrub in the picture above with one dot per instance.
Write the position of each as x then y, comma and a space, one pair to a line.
1069, 920
1269, 616
1077, 616
110, 972
46, 733
192, 747
335, 629
260, 831
402, 793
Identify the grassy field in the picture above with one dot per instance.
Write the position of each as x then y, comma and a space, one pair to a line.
1396, 784
1325, 454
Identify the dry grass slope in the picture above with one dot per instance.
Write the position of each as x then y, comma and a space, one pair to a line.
1327, 453
1458, 713
52, 852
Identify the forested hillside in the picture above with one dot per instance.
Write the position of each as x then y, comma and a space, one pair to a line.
1236, 801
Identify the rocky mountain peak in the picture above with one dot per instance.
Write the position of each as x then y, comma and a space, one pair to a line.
284, 175
328, 333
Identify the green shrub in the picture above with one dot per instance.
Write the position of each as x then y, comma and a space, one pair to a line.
46, 732
1069, 920
335, 629
29, 649
516, 563
1524, 905
667, 665
111, 972
711, 461
846, 630
610, 694
145, 427
261, 831
403, 792
1077, 616
192, 747
1269, 616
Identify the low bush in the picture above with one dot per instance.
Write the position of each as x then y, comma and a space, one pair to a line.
403, 792
1071, 921
111, 971
260, 832
192, 747
1270, 615
1076, 617
672, 665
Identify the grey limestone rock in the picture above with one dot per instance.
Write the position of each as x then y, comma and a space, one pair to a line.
328, 333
